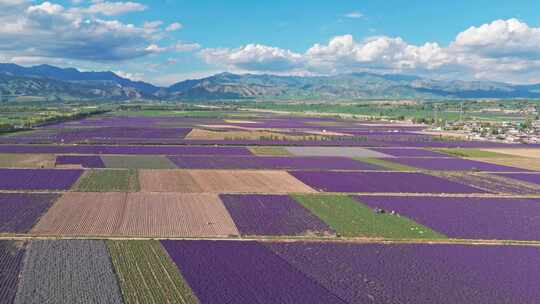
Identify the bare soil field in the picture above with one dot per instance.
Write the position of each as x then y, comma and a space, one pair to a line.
176, 214
517, 162
137, 214
27, 160
524, 152
79, 213
244, 135
221, 181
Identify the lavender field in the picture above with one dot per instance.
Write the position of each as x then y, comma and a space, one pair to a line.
468, 218
19, 212
533, 178
243, 272
38, 179
11, 261
304, 210
68, 272
269, 162
272, 215
453, 164
85, 161
382, 182
421, 273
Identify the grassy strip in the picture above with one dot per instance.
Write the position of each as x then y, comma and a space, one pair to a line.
459, 152
27, 160
137, 162
350, 218
147, 275
269, 151
108, 181
386, 164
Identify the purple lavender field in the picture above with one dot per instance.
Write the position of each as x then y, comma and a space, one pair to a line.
269, 162
454, 164
20, 211
533, 178
142, 150
134, 133
243, 272
11, 260
38, 179
86, 161
272, 215
470, 218
420, 274
384, 182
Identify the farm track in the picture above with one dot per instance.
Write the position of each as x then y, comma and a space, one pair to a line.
354, 240
480, 195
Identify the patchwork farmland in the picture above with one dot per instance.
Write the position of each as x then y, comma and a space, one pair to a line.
255, 207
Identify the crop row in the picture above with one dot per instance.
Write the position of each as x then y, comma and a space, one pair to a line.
86, 271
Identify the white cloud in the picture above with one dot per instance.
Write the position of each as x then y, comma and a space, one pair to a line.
114, 8
504, 50
186, 47
174, 27
500, 38
50, 30
354, 15
255, 57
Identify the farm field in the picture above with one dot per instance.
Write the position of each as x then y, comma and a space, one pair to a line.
108, 181
382, 182
27, 160
350, 218
11, 261
220, 181
530, 164
469, 218
215, 206
273, 215
137, 214
19, 212
146, 274
137, 162
81, 270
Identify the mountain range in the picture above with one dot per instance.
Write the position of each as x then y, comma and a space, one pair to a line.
56, 83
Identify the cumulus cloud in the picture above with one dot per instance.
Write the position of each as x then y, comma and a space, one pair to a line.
500, 38
114, 8
50, 30
186, 47
174, 27
501, 50
354, 15
253, 57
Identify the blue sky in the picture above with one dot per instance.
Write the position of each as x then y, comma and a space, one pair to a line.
170, 40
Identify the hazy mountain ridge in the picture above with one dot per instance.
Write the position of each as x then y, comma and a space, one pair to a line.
46, 80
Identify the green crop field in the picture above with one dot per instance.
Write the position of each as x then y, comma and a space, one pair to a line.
470, 152
137, 162
269, 151
108, 181
386, 164
351, 218
147, 275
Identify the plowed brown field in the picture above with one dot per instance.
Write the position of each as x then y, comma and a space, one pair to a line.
516, 162
27, 160
524, 152
137, 214
221, 181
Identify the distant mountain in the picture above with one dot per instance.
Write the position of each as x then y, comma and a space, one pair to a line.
64, 83
343, 87
51, 80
